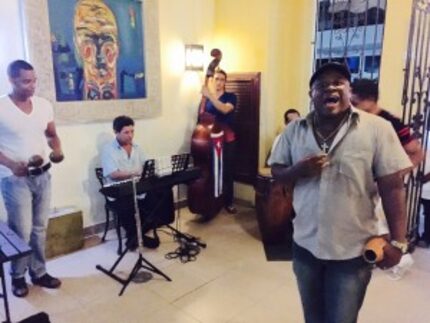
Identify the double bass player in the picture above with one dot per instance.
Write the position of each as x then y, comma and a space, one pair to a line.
221, 105
213, 146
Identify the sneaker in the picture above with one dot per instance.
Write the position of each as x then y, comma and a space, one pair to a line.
19, 287
47, 281
150, 242
231, 209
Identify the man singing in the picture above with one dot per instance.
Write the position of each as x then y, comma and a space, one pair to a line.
332, 157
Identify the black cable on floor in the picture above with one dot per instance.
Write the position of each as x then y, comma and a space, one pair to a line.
187, 250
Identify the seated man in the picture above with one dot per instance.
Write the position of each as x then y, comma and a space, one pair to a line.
121, 160
289, 115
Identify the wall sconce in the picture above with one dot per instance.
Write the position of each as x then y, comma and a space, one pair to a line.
194, 57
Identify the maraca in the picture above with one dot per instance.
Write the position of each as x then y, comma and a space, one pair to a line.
35, 161
56, 158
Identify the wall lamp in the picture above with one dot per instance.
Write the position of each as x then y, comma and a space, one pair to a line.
194, 57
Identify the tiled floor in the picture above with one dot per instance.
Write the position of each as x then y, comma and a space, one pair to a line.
230, 281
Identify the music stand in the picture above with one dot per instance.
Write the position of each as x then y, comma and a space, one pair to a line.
148, 169
180, 162
141, 262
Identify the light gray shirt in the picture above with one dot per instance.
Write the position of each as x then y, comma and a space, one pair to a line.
335, 211
114, 158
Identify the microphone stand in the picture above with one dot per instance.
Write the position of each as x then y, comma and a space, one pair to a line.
141, 262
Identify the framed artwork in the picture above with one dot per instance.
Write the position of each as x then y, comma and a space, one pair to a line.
97, 49
95, 59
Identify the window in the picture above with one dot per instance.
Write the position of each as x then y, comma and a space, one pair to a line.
371, 64
351, 31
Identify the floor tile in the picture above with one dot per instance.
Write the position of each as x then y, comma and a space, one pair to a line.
229, 281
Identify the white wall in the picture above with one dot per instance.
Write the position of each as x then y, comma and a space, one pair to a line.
11, 48
11, 44
74, 182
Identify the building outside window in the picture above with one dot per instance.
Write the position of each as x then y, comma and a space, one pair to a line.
351, 32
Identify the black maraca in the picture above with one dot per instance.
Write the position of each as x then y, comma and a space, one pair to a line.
35, 161
56, 158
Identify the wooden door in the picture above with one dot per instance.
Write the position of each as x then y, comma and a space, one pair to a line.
246, 124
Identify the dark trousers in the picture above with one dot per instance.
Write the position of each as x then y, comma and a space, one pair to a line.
228, 171
155, 210
426, 234
332, 291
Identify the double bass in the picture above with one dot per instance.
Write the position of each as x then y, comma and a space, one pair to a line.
205, 194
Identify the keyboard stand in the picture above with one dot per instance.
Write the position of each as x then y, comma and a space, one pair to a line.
141, 262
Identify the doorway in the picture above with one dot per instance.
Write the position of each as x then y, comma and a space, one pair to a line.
246, 86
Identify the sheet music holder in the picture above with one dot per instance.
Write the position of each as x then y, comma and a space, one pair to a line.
148, 169
174, 164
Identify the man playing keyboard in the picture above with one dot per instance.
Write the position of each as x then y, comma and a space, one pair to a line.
122, 160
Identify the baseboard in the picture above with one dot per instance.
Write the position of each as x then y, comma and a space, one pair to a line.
100, 227
245, 203
96, 228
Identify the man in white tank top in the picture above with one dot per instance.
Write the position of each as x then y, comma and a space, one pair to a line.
26, 127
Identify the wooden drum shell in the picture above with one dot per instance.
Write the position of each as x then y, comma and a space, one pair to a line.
273, 202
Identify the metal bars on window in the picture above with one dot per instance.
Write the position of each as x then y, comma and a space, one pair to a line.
415, 102
350, 31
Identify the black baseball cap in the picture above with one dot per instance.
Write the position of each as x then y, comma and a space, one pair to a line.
332, 66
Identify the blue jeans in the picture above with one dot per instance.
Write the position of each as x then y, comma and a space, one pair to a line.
332, 291
27, 201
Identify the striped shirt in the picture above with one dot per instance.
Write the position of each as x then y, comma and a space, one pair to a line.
403, 131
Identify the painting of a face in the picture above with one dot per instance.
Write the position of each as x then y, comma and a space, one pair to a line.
96, 43
98, 49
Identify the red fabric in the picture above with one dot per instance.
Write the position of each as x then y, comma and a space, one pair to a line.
229, 134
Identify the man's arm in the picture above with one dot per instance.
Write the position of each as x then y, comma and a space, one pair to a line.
54, 143
120, 175
307, 167
392, 192
17, 168
414, 151
425, 178
220, 106
409, 143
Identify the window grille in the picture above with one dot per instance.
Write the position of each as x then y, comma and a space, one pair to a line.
415, 102
351, 32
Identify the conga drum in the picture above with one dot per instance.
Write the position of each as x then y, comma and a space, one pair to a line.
273, 202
